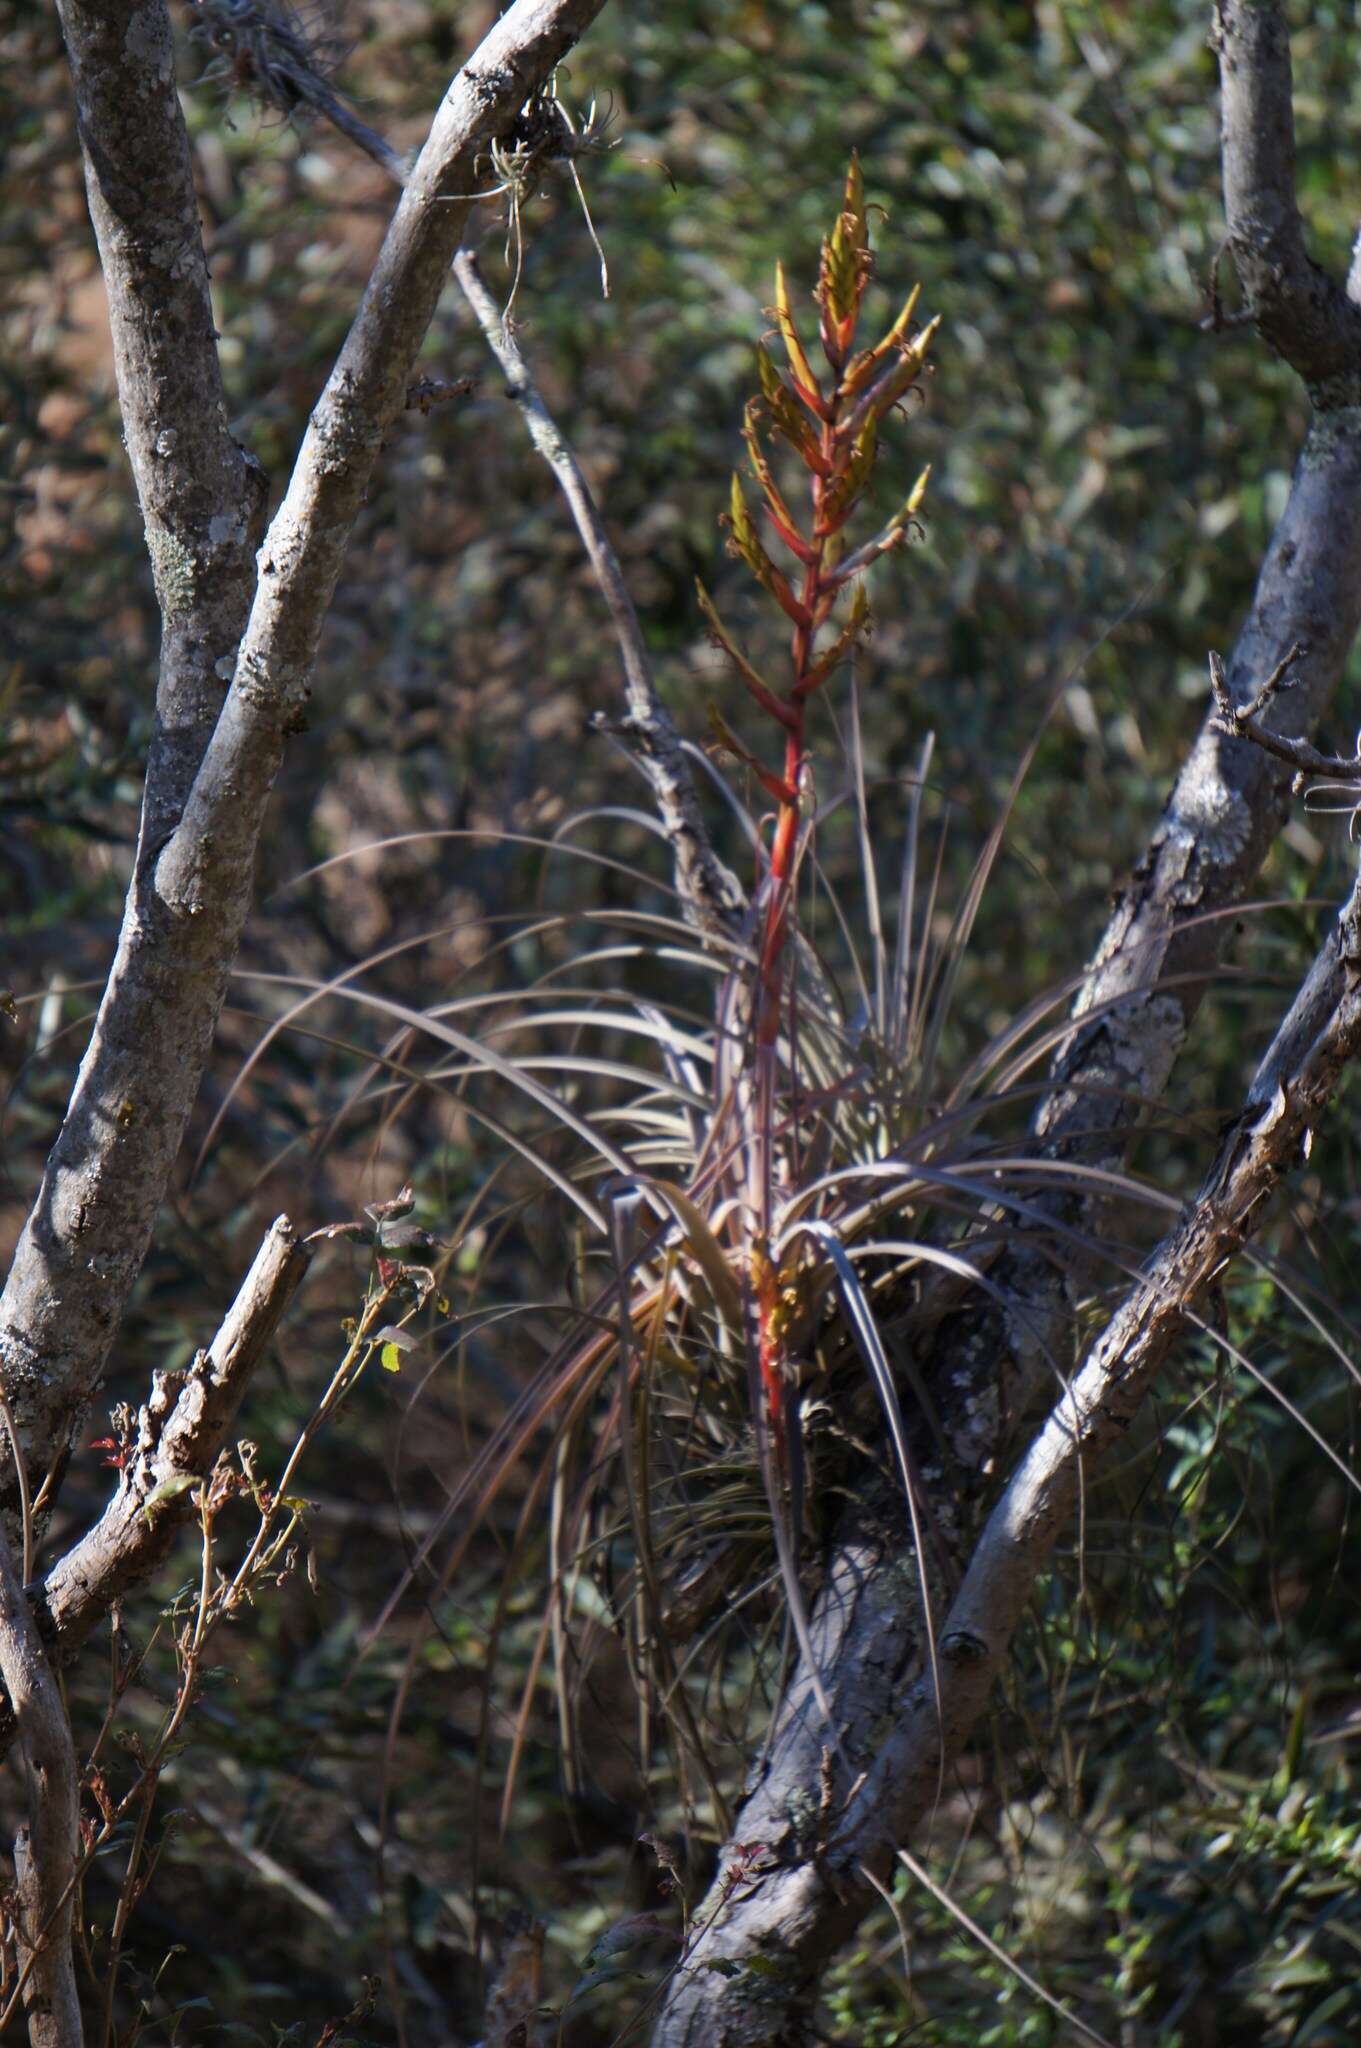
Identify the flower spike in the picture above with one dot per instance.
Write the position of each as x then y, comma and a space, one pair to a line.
830, 427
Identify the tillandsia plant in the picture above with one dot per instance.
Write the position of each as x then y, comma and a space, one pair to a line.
768, 1196
829, 423
791, 1202
763, 1176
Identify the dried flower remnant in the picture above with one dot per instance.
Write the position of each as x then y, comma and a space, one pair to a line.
283, 58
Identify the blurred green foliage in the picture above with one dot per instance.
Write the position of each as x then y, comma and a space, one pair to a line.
1139, 1827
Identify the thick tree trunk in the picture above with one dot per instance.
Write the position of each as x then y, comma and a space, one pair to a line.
1159, 951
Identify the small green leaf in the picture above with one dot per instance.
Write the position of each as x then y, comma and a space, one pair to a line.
391, 1358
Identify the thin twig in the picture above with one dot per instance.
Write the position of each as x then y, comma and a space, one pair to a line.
21, 1480
184, 1697
428, 392
1243, 721
216, 1599
712, 895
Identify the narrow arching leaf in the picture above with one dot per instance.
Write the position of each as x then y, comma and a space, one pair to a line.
865, 1330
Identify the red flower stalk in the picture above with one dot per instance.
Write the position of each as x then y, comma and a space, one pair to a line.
831, 423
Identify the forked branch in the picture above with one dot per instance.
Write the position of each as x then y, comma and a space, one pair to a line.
1288, 1097
179, 1434
710, 894
1161, 946
86, 1237
814, 1891
1244, 721
1302, 312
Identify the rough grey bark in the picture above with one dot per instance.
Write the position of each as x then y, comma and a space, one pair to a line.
1299, 310
202, 503
810, 1887
87, 1235
47, 1847
1146, 981
1160, 949
202, 497
1164, 940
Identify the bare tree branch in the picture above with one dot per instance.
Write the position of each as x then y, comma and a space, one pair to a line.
1158, 954
1245, 721
711, 895
179, 1433
87, 1235
1300, 311
46, 1849
1230, 800
1286, 1101
813, 1887
307, 538
202, 502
